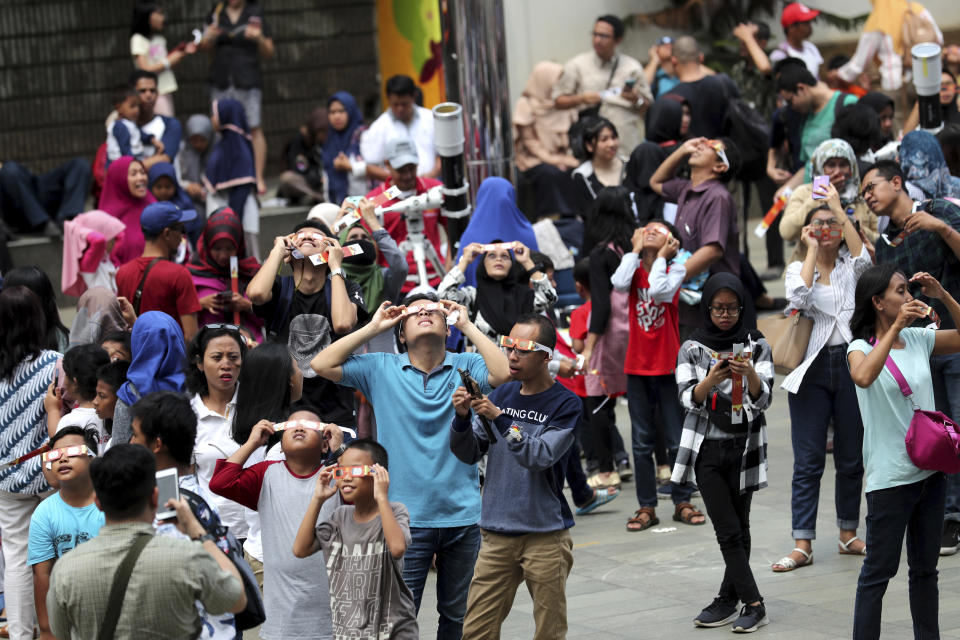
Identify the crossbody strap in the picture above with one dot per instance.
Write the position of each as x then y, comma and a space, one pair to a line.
613, 70
119, 587
139, 292
896, 373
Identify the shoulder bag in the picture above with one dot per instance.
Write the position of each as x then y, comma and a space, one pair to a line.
788, 337
119, 587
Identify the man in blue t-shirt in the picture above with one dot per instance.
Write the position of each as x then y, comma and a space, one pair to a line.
410, 395
66, 518
525, 517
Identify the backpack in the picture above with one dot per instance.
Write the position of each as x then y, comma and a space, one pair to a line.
917, 28
254, 614
751, 133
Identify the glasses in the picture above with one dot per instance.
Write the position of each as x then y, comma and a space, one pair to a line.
299, 424
831, 232
220, 325
719, 312
523, 347
868, 189
353, 471
70, 452
832, 222
601, 36
507, 246
720, 150
429, 307
655, 228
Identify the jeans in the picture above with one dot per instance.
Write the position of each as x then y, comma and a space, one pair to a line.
644, 395
456, 549
918, 509
945, 371
718, 475
826, 392
31, 201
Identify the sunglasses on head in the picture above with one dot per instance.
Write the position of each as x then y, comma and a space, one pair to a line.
69, 452
220, 325
523, 346
353, 471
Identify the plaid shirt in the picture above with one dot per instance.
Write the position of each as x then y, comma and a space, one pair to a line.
693, 364
927, 251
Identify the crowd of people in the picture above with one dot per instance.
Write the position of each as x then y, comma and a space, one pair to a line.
293, 442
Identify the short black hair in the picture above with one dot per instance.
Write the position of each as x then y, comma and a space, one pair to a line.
124, 479
168, 415
837, 61
114, 373
581, 272
139, 74
542, 258
859, 125
376, 450
786, 63
672, 229
81, 363
614, 22
90, 436
314, 224
429, 296
122, 337
120, 93
196, 380
546, 331
791, 76
888, 169
763, 31
401, 85
733, 159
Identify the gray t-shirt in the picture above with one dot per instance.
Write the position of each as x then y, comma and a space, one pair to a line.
368, 597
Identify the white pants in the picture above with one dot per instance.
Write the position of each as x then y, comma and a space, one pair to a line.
875, 43
15, 512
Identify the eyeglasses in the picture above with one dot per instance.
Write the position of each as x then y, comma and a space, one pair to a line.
720, 150
832, 222
832, 232
70, 452
869, 187
718, 312
353, 471
655, 228
602, 36
507, 246
523, 347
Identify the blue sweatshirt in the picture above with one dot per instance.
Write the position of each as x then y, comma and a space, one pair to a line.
523, 488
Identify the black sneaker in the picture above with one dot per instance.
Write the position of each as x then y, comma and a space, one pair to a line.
752, 617
717, 614
950, 540
623, 468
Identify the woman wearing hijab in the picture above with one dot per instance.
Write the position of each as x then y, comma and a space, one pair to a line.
836, 159
88, 241
341, 151
541, 146
728, 458
230, 178
925, 167
668, 123
98, 315
125, 195
221, 239
192, 160
157, 365
496, 216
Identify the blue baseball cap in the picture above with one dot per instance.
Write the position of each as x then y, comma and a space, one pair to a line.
159, 215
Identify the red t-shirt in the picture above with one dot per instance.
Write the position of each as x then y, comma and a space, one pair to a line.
580, 321
654, 331
168, 288
576, 383
396, 226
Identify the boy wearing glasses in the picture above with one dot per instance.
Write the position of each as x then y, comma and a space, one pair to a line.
525, 519
68, 517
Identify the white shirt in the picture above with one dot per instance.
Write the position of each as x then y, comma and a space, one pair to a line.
85, 418
374, 140
810, 55
105, 275
213, 443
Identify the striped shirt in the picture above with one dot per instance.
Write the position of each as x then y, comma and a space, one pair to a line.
693, 364
843, 283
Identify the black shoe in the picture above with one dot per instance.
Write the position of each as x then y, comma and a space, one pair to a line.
623, 468
717, 614
752, 617
950, 541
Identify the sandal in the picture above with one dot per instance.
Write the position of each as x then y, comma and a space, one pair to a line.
645, 517
789, 564
598, 481
691, 513
845, 549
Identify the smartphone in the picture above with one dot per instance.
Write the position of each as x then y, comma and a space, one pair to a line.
169, 489
224, 296
630, 83
818, 182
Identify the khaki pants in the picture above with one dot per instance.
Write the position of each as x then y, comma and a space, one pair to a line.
542, 560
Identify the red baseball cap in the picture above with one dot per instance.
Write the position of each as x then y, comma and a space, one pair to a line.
796, 12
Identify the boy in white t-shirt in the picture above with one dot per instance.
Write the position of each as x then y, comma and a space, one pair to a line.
796, 20
80, 366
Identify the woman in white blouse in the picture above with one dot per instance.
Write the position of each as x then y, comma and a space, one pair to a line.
821, 287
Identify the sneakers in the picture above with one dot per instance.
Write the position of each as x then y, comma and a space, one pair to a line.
950, 541
623, 468
752, 617
600, 496
717, 614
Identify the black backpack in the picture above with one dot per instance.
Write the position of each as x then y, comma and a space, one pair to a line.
751, 133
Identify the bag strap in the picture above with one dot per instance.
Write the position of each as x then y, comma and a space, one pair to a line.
613, 70
896, 373
139, 292
119, 587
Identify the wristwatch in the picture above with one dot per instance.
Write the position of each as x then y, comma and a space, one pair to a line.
206, 536
338, 272
335, 455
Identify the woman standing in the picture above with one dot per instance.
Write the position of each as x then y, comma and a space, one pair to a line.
821, 287
900, 496
345, 172
27, 369
125, 195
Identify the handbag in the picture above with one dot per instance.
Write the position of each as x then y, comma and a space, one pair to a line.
933, 439
788, 336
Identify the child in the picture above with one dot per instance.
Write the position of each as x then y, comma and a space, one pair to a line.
80, 366
87, 244
796, 21
729, 459
124, 137
364, 543
163, 184
117, 346
68, 517
296, 593
110, 377
654, 281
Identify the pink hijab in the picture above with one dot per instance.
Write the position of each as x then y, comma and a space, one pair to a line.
117, 200
75, 234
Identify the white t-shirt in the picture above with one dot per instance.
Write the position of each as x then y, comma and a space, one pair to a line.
105, 275
85, 418
810, 55
374, 140
156, 51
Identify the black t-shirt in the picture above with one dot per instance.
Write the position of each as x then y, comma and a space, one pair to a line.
708, 103
236, 59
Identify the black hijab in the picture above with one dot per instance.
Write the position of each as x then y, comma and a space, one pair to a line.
501, 302
710, 335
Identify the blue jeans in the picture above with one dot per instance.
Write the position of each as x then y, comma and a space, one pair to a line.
946, 392
918, 509
456, 549
30, 201
644, 395
826, 392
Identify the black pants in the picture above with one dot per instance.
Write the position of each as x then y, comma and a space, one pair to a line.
607, 443
30, 201
765, 188
718, 476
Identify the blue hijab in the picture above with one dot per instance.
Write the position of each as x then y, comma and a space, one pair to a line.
341, 141
231, 161
158, 356
924, 165
496, 216
180, 197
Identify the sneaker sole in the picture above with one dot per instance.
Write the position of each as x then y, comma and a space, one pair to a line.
948, 551
719, 623
762, 622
